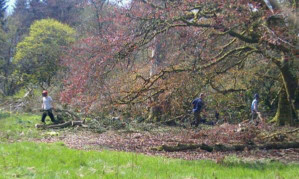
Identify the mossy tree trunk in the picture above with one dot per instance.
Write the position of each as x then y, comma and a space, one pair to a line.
155, 114
286, 110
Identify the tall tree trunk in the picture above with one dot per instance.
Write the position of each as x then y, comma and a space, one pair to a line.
154, 113
286, 110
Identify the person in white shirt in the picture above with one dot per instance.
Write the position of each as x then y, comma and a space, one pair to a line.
254, 108
47, 107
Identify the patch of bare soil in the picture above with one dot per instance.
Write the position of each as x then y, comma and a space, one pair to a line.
144, 142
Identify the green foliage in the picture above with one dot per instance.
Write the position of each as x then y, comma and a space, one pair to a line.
101, 125
8, 40
38, 55
20, 93
3, 45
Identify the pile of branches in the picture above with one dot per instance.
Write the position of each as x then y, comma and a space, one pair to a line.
241, 137
65, 118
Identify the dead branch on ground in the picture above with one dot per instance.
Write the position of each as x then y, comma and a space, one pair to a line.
62, 125
223, 148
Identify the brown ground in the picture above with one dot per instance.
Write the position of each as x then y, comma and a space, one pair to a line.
143, 142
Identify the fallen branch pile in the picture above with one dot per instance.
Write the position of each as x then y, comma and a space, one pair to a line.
68, 113
281, 133
63, 115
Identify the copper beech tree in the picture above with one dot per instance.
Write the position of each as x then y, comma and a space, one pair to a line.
148, 49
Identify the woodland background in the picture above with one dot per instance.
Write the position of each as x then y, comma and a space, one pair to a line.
148, 59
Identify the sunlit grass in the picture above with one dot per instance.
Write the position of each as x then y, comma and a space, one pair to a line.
57, 161
14, 127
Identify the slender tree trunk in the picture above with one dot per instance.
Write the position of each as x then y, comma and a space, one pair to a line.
154, 113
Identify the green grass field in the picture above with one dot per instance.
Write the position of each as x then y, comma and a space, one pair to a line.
31, 160
14, 127
21, 159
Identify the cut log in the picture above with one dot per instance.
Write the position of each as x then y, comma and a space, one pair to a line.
223, 148
57, 126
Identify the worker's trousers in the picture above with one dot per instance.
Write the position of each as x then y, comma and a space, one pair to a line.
48, 113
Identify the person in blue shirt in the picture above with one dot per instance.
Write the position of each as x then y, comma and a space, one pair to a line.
254, 107
198, 105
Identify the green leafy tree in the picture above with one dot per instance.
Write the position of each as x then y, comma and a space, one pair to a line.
38, 55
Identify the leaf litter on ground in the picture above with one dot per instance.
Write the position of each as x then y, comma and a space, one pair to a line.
143, 141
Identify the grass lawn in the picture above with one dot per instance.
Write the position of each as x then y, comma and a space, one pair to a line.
26, 159
14, 127
21, 159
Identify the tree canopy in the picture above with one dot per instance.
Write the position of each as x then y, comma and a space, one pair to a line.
38, 55
218, 43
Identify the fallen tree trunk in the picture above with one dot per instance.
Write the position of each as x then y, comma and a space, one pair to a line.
183, 147
279, 145
223, 148
56, 126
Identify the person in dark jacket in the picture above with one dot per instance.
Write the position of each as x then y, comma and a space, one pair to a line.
198, 105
